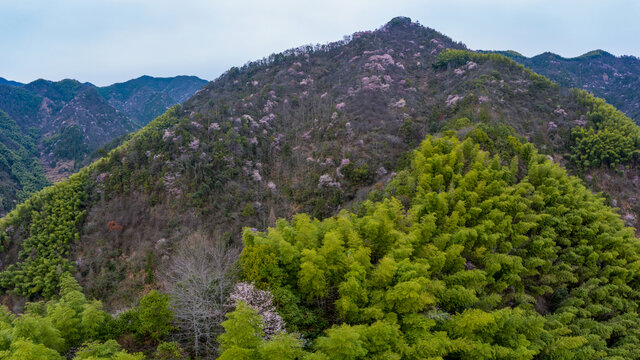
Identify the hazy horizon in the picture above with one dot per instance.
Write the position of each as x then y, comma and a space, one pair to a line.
105, 42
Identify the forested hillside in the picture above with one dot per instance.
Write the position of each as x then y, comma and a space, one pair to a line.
4, 81
470, 254
613, 78
67, 124
20, 172
145, 98
474, 246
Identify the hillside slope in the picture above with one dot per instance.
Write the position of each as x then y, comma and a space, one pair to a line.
613, 78
145, 98
20, 172
469, 254
69, 121
312, 129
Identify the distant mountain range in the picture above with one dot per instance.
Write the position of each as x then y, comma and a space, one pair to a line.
4, 81
614, 78
145, 98
65, 122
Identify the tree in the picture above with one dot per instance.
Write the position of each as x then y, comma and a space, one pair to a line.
463, 267
198, 281
262, 302
343, 342
243, 333
281, 347
38, 330
22, 349
67, 322
169, 351
154, 316
109, 350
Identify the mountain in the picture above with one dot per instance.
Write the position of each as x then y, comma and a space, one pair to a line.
69, 121
145, 98
613, 78
475, 245
20, 172
4, 81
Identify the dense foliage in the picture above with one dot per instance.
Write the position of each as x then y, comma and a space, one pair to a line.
47, 330
68, 144
20, 173
469, 256
609, 139
54, 216
312, 129
456, 58
73, 327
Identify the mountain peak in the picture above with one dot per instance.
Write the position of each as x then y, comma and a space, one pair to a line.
399, 22
548, 55
595, 53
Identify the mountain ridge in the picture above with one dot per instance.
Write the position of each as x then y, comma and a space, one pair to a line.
614, 78
70, 120
169, 91
4, 81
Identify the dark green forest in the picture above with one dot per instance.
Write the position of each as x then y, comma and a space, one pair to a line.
20, 172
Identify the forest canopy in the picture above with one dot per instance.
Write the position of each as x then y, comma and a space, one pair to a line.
470, 255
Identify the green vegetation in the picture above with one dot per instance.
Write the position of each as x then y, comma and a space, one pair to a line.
455, 58
609, 138
470, 256
21, 173
47, 330
109, 350
594, 54
21, 104
124, 162
63, 90
51, 329
53, 217
153, 317
69, 143
358, 175
244, 339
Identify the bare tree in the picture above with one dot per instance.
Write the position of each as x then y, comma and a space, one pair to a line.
199, 280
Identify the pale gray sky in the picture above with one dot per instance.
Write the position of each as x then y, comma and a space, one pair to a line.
107, 41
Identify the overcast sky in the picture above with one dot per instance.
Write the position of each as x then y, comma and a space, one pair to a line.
107, 41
